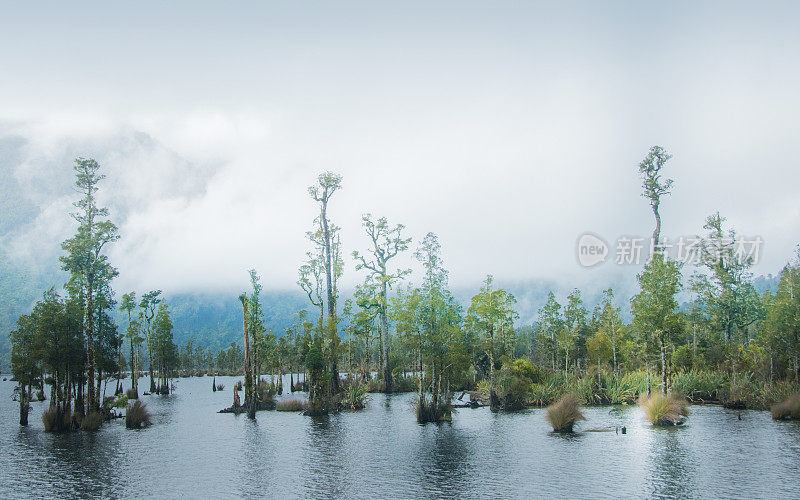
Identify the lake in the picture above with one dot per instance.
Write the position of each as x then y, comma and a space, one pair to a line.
192, 451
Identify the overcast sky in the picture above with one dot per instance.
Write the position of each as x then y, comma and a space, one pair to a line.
507, 128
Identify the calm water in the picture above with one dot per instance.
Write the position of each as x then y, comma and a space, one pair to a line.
192, 451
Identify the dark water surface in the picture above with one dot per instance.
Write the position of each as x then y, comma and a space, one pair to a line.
193, 452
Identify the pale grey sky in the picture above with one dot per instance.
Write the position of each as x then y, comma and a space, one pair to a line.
507, 128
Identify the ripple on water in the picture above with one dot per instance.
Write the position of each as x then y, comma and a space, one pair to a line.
192, 451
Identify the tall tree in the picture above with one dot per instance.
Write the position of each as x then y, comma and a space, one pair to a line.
85, 261
387, 242
327, 184
653, 186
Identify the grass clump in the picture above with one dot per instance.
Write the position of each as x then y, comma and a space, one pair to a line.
136, 415
56, 420
563, 414
131, 394
92, 421
294, 404
439, 410
787, 410
662, 410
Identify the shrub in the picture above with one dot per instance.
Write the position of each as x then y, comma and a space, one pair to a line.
789, 409
120, 402
294, 404
664, 410
546, 392
92, 421
700, 385
131, 394
563, 414
513, 391
136, 415
356, 396
220, 386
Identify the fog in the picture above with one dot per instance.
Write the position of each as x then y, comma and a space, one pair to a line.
508, 129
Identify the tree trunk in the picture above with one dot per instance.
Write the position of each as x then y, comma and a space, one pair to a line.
248, 382
24, 407
88, 316
657, 230
494, 401
387, 370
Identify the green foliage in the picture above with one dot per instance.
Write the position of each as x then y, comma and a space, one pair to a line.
356, 396
700, 385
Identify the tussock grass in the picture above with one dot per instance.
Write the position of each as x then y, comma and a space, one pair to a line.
563, 414
787, 410
136, 415
293, 404
662, 410
220, 386
92, 421
131, 394
56, 421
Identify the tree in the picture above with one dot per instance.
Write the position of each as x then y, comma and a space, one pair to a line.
726, 289
387, 242
575, 328
653, 186
165, 349
148, 304
551, 322
492, 314
24, 363
781, 328
327, 240
439, 320
610, 323
85, 261
655, 308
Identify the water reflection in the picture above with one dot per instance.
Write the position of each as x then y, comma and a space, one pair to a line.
382, 452
671, 477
